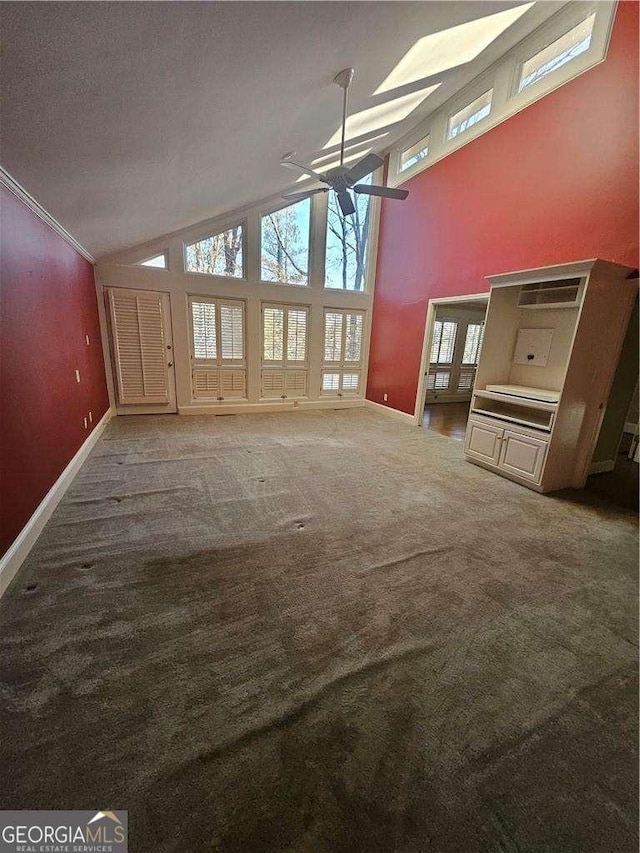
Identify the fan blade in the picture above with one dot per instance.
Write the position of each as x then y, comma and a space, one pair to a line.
306, 169
301, 196
365, 166
346, 203
383, 192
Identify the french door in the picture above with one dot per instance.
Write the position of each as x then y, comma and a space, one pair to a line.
455, 351
142, 351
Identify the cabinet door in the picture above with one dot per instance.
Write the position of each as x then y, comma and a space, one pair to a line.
523, 455
483, 441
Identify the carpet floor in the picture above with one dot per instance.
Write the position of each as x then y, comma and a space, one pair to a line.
323, 632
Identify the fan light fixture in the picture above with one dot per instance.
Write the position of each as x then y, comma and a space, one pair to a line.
340, 179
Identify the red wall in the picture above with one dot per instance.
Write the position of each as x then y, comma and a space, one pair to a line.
557, 182
48, 305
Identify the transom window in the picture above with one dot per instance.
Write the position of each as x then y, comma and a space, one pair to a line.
157, 261
410, 156
285, 236
558, 53
220, 254
469, 115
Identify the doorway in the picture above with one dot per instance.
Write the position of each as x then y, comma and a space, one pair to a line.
454, 331
141, 345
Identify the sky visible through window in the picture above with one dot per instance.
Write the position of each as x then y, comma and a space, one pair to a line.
347, 243
220, 254
285, 244
557, 54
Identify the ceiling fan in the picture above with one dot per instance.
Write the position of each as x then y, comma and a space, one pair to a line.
342, 179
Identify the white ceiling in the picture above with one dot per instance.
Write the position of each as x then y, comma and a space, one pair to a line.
131, 120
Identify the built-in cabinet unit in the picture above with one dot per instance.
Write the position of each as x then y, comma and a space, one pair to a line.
552, 341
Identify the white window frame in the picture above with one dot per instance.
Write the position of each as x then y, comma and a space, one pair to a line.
504, 77
218, 361
285, 361
164, 254
411, 150
312, 244
343, 366
205, 236
377, 178
458, 110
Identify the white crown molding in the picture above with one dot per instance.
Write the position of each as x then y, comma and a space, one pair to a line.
19, 191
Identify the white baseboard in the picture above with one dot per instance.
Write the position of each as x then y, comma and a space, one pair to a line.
257, 408
602, 467
26, 539
393, 413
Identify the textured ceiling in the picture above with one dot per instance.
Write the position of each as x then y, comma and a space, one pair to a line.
131, 120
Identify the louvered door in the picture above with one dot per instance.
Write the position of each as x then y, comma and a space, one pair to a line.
142, 350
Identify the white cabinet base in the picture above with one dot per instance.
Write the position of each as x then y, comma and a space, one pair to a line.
483, 441
517, 454
523, 455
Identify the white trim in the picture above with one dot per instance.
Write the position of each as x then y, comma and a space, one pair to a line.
269, 406
506, 102
392, 413
426, 343
26, 539
19, 192
576, 269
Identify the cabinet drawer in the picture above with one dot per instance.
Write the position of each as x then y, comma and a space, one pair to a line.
483, 441
523, 455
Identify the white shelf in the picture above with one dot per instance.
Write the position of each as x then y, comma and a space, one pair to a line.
545, 427
542, 394
515, 400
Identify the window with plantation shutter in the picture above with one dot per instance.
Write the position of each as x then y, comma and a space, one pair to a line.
343, 336
473, 343
284, 333
444, 341
284, 351
272, 333
296, 334
455, 351
438, 380
137, 322
333, 323
231, 332
466, 378
353, 337
218, 348
203, 316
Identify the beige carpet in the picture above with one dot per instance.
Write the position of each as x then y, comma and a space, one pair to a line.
323, 633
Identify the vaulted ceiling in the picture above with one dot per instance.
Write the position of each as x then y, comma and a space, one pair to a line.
131, 120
